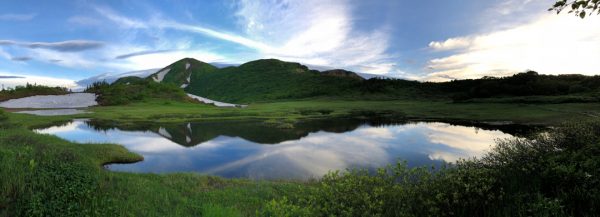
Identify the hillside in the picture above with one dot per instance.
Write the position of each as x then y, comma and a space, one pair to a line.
275, 80
269, 79
260, 80
134, 89
180, 73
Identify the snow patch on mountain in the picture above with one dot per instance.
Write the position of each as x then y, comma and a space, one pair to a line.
73, 100
161, 75
216, 103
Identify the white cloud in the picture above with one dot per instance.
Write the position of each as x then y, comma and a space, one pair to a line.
72, 60
62, 46
451, 44
159, 60
310, 32
41, 80
549, 44
123, 21
315, 32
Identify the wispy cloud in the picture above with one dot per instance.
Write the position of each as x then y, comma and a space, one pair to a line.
8, 56
17, 17
10, 76
62, 46
9, 79
141, 53
311, 32
124, 22
315, 32
21, 59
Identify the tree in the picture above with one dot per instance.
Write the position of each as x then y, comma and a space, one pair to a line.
580, 8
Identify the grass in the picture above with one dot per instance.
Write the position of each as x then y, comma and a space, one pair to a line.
43, 175
168, 111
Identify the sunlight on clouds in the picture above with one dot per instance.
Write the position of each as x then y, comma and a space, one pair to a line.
450, 44
159, 60
549, 44
311, 32
315, 32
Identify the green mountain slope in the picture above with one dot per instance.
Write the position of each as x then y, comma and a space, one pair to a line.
180, 72
271, 80
268, 79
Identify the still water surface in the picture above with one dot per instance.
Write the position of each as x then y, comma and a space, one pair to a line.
261, 151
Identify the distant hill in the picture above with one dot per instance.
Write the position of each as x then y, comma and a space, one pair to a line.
110, 78
272, 80
182, 72
260, 80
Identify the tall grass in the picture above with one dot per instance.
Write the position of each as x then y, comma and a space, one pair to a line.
42, 175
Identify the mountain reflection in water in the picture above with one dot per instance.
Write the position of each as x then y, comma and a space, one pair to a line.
310, 149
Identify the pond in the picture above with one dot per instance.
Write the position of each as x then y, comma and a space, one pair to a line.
310, 149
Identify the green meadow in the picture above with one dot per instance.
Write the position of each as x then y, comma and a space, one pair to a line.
45, 175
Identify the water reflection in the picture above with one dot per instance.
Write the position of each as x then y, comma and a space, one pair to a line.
260, 151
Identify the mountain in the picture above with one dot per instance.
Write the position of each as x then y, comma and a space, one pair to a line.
342, 73
273, 80
110, 78
265, 80
182, 72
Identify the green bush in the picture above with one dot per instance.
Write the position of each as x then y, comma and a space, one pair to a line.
3, 115
121, 93
550, 174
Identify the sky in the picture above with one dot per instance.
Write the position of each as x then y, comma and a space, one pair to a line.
60, 42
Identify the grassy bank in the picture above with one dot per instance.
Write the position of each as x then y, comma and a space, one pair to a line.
168, 111
43, 175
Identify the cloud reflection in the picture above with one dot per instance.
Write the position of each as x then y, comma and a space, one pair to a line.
308, 157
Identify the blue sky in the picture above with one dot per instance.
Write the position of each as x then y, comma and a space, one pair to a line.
59, 42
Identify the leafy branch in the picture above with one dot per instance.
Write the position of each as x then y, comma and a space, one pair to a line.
580, 8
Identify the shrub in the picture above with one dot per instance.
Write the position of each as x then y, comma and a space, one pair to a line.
121, 93
550, 174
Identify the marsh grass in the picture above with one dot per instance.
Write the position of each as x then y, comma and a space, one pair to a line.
43, 175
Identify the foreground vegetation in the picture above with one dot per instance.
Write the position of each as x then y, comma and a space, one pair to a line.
552, 174
42, 175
